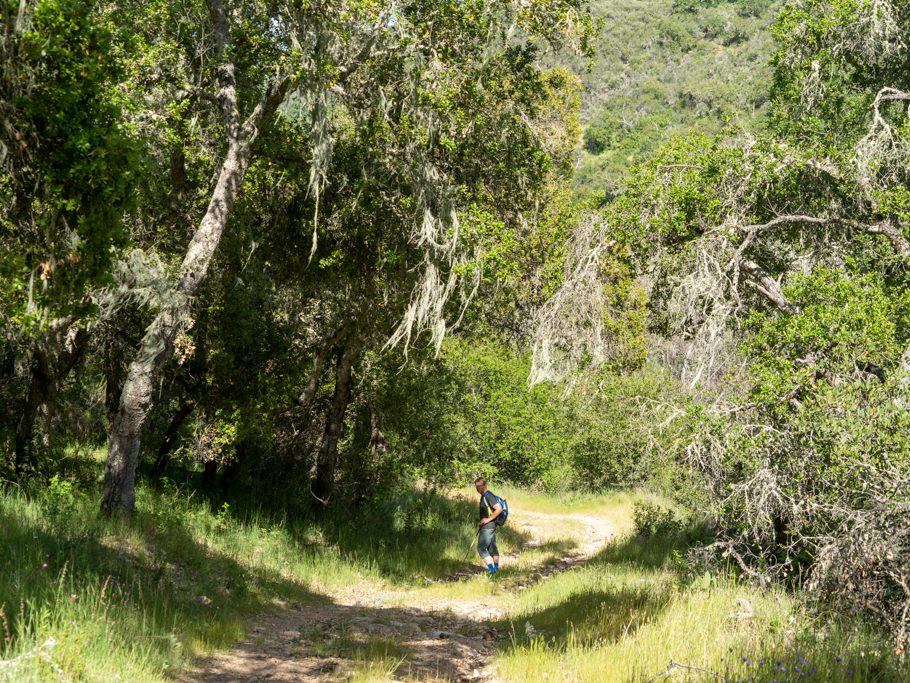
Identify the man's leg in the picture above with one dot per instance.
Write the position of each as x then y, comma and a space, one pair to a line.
494, 552
484, 539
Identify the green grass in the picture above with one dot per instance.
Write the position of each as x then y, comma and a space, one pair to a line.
139, 601
636, 607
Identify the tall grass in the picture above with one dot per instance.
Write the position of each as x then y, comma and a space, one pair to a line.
115, 601
635, 608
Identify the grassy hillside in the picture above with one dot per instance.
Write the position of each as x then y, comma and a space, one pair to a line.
665, 67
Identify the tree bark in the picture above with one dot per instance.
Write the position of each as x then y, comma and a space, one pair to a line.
367, 468
767, 286
113, 379
327, 460
379, 445
119, 495
157, 345
309, 391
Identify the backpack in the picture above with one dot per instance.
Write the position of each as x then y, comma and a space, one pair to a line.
504, 515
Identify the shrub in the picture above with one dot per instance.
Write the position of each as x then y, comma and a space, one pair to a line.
60, 498
603, 133
652, 519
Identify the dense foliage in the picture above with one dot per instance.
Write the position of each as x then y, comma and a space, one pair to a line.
311, 252
238, 220
662, 68
775, 259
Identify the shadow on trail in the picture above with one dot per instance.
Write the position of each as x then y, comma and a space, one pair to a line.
332, 642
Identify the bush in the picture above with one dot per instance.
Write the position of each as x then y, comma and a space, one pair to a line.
652, 519
60, 497
603, 133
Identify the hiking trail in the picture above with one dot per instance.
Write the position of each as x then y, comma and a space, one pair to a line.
444, 638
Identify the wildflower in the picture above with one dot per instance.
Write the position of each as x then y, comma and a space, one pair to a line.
746, 661
838, 660
44, 565
72, 596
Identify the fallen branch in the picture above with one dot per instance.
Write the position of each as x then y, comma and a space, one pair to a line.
679, 666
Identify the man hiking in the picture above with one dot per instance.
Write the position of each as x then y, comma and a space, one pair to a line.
490, 509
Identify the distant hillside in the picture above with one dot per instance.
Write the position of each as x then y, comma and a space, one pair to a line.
665, 67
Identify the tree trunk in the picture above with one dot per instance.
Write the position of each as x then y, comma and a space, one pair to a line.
327, 459
39, 381
52, 360
170, 437
113, 379
119, 493
367, 467
7, 361
309, 391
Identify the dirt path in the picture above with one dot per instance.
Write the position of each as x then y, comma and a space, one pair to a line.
405, 634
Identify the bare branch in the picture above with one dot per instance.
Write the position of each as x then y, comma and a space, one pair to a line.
267, 107
767, 286
898, 241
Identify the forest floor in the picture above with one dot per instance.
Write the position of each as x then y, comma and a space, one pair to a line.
446, 629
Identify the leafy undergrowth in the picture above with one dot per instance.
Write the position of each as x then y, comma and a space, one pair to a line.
637, 612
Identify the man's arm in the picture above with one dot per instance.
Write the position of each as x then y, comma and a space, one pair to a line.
497, 508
